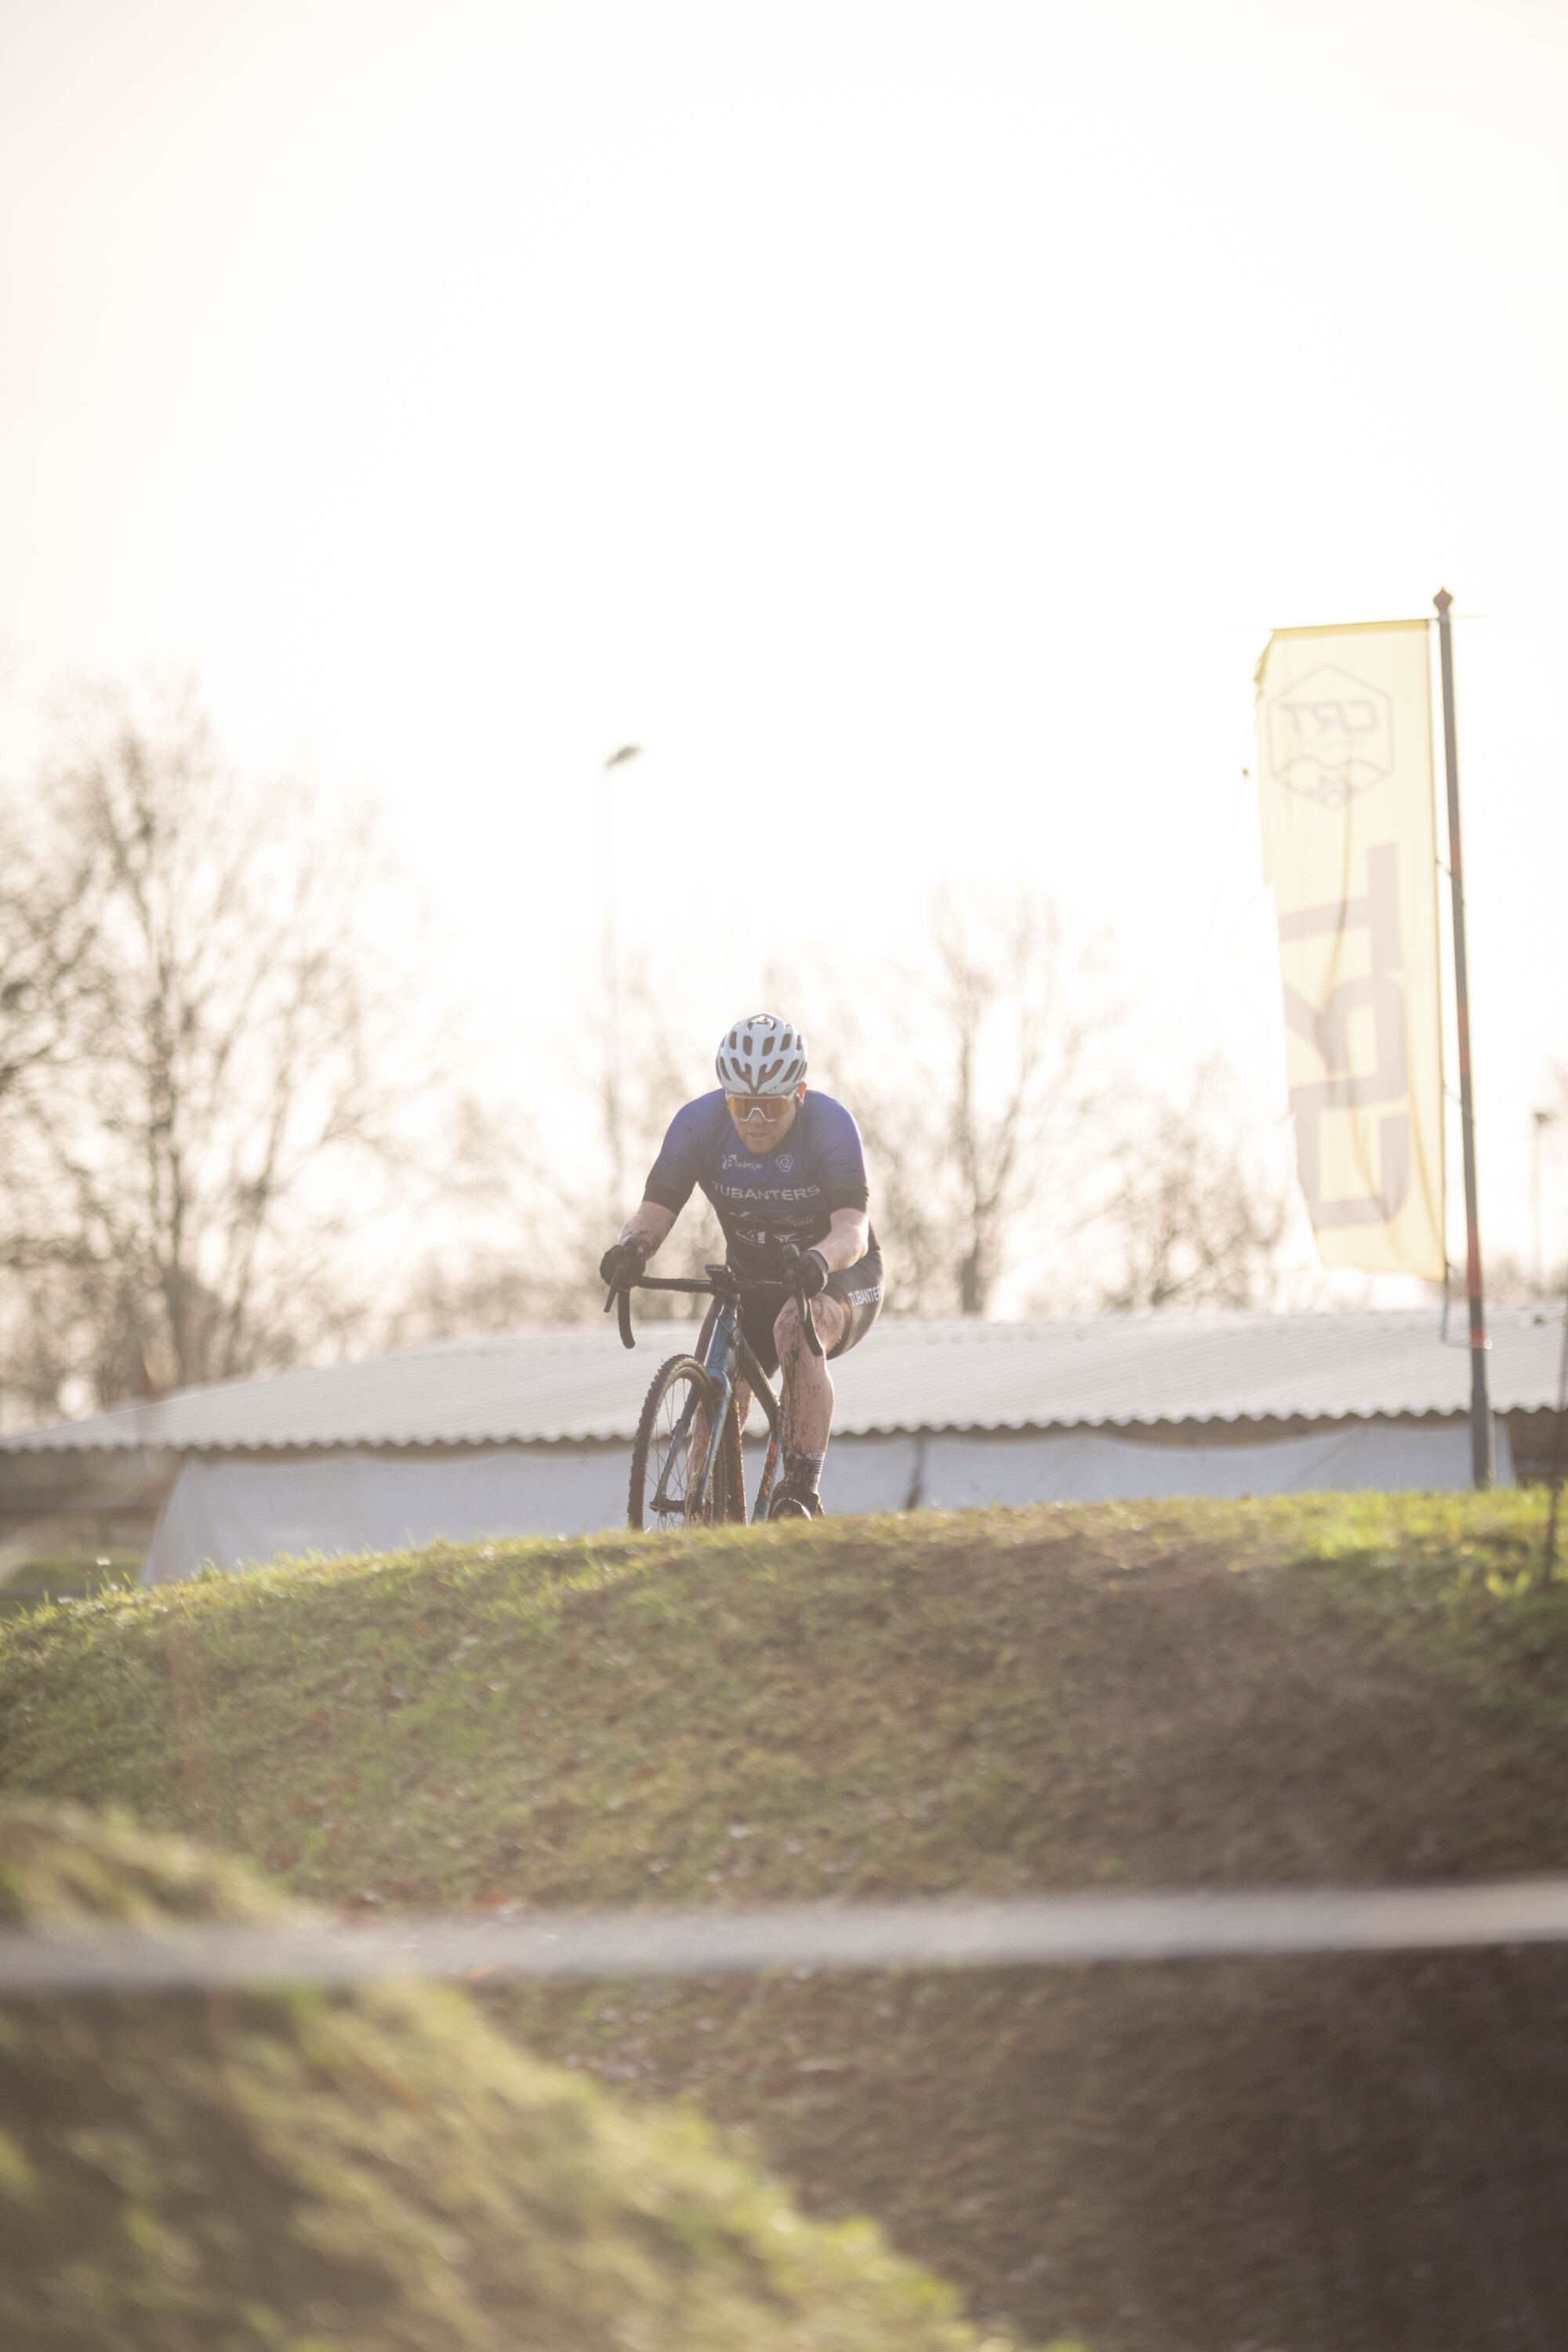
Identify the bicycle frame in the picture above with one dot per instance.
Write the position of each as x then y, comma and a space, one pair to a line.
730, 1354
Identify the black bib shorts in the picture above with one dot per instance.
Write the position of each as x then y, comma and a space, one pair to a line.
857, 1288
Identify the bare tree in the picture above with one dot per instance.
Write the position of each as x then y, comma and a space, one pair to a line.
532, 1222
1006, 1118
48, 915
210, 1099
980, 1094
1202, 1206
666, 1061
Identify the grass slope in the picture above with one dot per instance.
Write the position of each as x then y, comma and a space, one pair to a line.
1312, 2154
378, 2172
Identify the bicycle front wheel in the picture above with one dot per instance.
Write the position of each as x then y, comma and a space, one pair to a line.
666, 1464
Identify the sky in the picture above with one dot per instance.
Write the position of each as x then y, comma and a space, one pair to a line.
905, 422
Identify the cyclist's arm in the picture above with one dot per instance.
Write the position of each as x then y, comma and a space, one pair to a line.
846, 1240
648, 1224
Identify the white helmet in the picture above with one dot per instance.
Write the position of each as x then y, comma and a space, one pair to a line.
761, 1056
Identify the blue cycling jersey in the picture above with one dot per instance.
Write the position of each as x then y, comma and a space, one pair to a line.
763, 1199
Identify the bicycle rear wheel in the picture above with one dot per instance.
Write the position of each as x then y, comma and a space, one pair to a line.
665, 1462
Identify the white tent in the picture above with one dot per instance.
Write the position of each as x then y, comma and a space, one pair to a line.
529, 1433
233, 1513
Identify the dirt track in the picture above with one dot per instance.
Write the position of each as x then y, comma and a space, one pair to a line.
1324, 2155
1333, 2155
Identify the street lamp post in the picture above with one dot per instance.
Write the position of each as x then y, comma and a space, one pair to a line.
1543, 1119
620, 758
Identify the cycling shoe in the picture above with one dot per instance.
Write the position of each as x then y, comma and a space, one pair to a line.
785, 1505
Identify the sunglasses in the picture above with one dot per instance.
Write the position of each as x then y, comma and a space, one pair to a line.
769, 1109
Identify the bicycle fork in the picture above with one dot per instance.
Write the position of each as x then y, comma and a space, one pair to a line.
729, 1351
720, 1365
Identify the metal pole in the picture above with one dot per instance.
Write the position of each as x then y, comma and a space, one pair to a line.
1549, 1556
1481, 1408
611, 977
1541, 1118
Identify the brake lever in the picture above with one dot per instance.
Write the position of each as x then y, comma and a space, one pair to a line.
802, 1306
621, 1300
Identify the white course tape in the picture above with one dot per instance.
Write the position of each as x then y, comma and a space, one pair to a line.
1028, 1934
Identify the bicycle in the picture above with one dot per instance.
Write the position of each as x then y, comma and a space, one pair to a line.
681, 1388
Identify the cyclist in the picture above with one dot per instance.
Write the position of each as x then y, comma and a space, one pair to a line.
784, 1171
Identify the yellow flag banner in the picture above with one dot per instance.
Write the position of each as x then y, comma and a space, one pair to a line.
1344, 769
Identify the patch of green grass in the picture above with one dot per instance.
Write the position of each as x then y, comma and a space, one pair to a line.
1461, 1578
859, 1706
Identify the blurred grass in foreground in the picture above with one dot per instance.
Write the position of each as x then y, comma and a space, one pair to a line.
376, 2172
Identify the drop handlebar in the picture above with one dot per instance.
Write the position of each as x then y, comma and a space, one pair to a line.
719, 1283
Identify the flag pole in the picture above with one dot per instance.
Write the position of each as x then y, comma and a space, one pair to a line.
1481, 1408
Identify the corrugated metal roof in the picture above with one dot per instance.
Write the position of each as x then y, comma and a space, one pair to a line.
581, 1384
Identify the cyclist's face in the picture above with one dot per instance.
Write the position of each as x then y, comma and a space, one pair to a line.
762, 1121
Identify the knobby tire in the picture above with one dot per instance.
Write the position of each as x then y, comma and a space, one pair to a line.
677, 1378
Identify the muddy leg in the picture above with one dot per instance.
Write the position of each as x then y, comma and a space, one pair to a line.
807, 1405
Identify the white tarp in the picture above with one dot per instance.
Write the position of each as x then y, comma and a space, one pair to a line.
1091, 1467
1344, 777
233, 1515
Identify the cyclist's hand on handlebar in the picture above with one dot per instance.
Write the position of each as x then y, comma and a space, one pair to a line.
805, 1272
622, 1263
